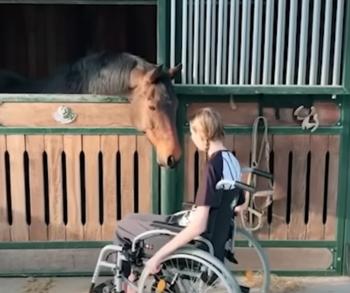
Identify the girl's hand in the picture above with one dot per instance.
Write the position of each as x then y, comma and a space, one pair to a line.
153, 265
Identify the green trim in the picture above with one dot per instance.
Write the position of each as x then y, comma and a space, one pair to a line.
60, 98
282, 130
300, 273
180, 184
346, 49
40, 274
155, 184
344, 191
81, 2
53, 244
46, 130
206, 90
290, 243
163, 31
167, 176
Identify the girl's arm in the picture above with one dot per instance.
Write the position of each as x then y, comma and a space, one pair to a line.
196, 227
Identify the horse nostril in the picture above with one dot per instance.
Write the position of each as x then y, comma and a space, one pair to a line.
171, 161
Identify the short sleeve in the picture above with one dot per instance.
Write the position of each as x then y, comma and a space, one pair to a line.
207, 195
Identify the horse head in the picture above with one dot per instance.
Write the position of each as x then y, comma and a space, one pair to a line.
153, 111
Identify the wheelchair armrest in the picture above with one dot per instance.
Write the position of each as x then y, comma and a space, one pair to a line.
258, 172
164, 225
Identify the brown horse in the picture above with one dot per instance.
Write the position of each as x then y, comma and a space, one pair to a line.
147, 86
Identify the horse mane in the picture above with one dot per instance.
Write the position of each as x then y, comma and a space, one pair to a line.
102, 73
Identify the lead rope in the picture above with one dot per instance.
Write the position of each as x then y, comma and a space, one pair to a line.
253, 208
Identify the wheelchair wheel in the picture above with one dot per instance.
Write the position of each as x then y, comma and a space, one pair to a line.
189, 270
105, 287
262, 270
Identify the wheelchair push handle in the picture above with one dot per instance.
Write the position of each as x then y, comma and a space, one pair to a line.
231, 184
258, 172
244, 186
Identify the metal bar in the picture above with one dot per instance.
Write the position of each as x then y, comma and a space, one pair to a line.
184, 42
195, 42
213, 42
315, 42
219, 42
326, 42
280, 42
291, 42
255, 75
207, 42
233, 42
190, 41
268, 42
244, 43
224, 44
172, 32
338, 42
201, 43
303, 41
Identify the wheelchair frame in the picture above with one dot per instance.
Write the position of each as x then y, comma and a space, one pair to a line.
132, 253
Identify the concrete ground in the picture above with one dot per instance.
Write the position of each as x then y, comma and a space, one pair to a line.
81, 285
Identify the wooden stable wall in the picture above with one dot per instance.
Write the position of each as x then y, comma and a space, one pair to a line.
67, 186
38, 39
305, 168
71, 187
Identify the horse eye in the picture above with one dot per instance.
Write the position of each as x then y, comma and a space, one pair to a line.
152, 108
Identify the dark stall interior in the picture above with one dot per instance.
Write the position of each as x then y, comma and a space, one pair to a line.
37, 39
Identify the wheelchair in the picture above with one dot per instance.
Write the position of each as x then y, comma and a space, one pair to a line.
189, 269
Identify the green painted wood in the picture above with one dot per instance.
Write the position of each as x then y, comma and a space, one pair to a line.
82, 2
206, 90
292, 130
60, 98
167, 176
344, 193
346, 49
44, 130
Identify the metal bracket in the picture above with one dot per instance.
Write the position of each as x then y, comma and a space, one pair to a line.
64, 115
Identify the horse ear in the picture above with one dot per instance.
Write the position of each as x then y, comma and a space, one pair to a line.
155, 73
174, 70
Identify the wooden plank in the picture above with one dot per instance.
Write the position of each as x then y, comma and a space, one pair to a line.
72, 149
281, 148
318, 147
189, 153
109, 148
54, 149
144, 150
89, 115
297, 226
127, 147
35, 150
242, 145
330, 227
243, 114
328, 113
91, 148
4, 223
19, 228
